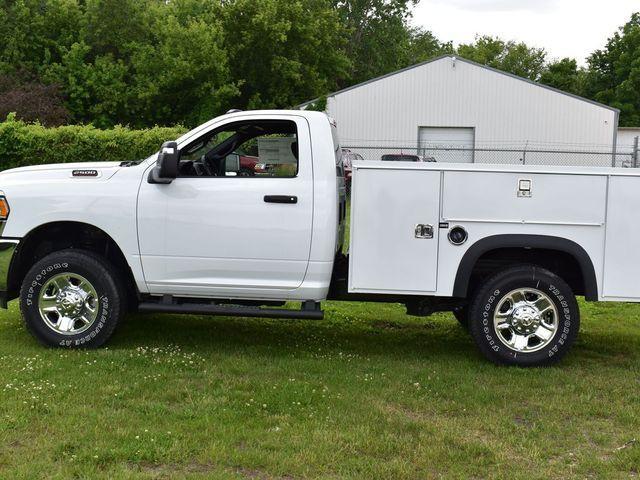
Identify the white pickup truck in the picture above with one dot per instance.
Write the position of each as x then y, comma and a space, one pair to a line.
506, 248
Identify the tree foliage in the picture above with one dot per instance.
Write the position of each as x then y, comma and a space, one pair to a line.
423, 46
565, 75
513, 57
380, 39
167, 62
139, 62
282, 53
376, 34
614, 72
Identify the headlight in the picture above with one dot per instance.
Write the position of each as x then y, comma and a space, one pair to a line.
4, 208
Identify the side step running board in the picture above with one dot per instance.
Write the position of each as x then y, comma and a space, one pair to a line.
309, 310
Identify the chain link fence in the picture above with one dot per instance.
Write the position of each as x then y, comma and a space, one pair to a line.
623, 157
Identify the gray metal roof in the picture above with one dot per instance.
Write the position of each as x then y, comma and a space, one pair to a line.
470, 62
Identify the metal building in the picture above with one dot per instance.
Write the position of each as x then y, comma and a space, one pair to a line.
629, 144
452, 109
627, 136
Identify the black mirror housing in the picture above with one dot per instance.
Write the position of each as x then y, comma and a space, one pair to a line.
166, 169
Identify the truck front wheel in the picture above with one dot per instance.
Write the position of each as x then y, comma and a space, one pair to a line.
525, 316
71, 299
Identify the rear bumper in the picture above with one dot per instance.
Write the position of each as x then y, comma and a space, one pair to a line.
8, 248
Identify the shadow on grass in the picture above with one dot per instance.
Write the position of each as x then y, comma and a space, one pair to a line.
387, 333
441, 336
610, 335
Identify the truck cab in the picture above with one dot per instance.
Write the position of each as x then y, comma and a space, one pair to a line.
274, 235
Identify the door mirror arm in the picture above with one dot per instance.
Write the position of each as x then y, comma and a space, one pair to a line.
166, 169
155, 178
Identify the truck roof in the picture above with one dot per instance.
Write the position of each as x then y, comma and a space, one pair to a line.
312, 116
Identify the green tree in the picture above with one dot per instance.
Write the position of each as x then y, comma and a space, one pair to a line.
565, 75
145, 62
513, 57
614, 72
377, 34
283, 53
424, 45
181, 74
34, 33
96, 90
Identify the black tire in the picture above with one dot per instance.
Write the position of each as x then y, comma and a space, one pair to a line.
102, 276
462, 315
245, 172
490, 295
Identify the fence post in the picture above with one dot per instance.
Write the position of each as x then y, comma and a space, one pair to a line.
635, 152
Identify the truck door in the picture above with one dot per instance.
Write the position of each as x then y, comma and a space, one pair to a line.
237, 220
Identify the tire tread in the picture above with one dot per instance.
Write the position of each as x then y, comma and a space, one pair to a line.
477, 306
93, 262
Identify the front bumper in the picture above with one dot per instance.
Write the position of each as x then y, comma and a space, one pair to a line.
8, 248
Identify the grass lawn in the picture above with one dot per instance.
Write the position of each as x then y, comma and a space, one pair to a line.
367, 393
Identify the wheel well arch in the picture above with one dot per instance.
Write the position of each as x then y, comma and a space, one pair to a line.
55, 236
560, 255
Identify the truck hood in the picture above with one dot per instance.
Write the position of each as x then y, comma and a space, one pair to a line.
83, 171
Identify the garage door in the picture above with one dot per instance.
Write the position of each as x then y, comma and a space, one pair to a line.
447, 144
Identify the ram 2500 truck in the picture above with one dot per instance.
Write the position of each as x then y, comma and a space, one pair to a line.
506, 248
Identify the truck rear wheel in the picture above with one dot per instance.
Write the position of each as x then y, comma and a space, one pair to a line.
525, 316
71, 299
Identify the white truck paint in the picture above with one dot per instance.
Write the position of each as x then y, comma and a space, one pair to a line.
565, 203
198, 244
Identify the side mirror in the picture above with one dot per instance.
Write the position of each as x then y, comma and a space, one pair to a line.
232, 163
166, 169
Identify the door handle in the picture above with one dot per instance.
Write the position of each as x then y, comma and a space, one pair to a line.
280, 199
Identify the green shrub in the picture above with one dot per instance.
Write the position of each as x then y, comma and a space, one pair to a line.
284, 170
24, 144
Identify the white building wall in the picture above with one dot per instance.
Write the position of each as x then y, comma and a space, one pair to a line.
626, 137
626, 146
506, 112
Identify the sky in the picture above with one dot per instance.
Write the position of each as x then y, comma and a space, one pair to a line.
564, 28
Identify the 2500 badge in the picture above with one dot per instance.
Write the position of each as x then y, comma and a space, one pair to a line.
85, 173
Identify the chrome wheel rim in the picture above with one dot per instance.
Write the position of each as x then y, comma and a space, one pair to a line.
526, 320
68, 304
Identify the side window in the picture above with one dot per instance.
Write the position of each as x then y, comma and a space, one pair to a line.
264, 148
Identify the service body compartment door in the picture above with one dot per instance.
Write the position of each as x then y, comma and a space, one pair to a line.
394, 231
622, 255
